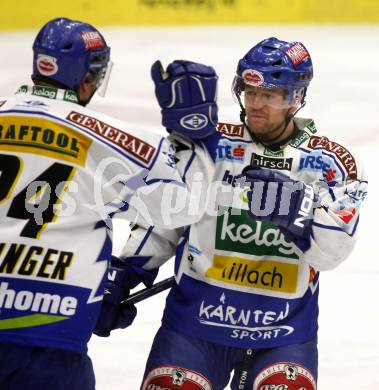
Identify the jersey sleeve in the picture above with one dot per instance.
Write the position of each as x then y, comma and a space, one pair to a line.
336, 222
148, 246
173, 192
147, 249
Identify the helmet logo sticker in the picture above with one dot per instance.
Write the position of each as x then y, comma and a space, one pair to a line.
253, 77
297, 53
47, 65
92, 40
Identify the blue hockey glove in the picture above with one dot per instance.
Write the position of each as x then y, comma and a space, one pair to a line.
186, 92
113, 315
276, 198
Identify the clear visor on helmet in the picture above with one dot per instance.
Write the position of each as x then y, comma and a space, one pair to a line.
103, 80
263, 94
99, 74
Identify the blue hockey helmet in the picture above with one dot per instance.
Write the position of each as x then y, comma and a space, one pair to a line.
66, 51
276, 64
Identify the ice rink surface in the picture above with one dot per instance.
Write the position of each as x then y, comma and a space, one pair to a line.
343, 99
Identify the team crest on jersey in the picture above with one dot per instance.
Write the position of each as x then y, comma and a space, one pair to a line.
47, 65
169, 377
231, 130
130, 144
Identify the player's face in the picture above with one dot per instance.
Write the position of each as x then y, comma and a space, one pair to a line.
265, 111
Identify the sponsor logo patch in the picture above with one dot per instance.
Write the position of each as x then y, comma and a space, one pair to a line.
70, 96
262, 274
312, 127
130, 144
47, 92
230, 151
248, 323
356, 194
47, 65
284, 376
231, 130
343, 155
273, 153
297, 53
170, 378
48, 307
253, 77
237, 232
92, 40
300, 138
314, 162
347, 214
271, 162
235, 180
26, 135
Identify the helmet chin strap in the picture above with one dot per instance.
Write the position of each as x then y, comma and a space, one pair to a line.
286, 121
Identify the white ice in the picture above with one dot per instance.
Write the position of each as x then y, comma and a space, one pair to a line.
344, 101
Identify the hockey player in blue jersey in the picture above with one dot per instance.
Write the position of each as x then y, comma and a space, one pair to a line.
64, 171
245, 303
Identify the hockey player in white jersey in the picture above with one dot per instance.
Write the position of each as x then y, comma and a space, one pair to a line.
64, 171
287, 206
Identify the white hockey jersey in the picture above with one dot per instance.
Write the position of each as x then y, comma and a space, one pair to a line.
64, 169
239, 282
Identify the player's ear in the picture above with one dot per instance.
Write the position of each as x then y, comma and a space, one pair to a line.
86, 89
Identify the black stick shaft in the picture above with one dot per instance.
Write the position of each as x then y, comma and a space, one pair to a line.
149, 291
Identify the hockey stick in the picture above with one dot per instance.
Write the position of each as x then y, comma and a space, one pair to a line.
149, 291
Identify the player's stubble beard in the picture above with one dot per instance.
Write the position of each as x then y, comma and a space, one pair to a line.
267, 132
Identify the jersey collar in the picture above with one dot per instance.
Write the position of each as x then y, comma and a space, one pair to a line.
50, 92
